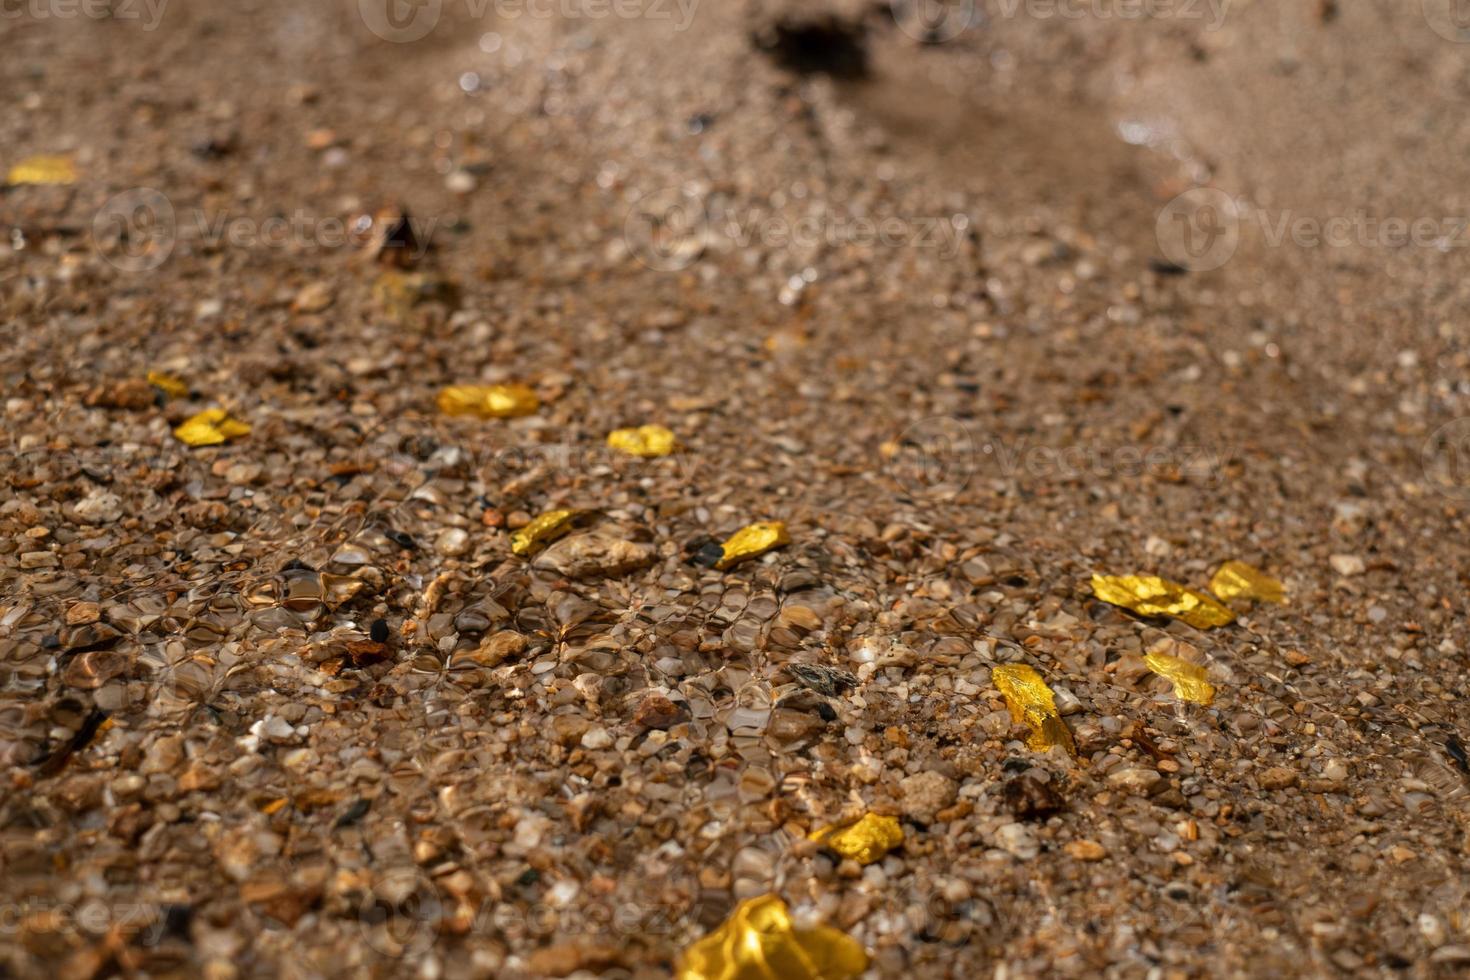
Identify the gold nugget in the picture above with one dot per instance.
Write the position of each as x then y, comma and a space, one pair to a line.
489, 401
752, 542
1237, 580
646, 440
211, 427
43, 170
760, 941
543, 530
1031, 701
865, 840
1149, 595
1188, 679
168, 384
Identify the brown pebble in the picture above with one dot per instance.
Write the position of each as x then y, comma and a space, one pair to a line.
657, 711
1278, 777
1086, 850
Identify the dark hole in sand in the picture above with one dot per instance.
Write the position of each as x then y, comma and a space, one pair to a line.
824, 45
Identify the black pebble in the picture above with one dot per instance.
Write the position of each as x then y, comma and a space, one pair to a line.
379, 631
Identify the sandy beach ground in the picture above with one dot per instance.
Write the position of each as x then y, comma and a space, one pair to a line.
980, 299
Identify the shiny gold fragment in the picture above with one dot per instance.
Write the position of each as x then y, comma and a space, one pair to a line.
1188, 679
646, 440
1032, 702
211, 427
865, 840
752, 541
1149, 595
1237, 580
168, 384
43, 170
489, 401
543, 530
761, 941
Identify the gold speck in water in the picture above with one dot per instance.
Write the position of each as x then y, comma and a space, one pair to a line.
1237, 580
542, 530
1032, 702
43, 170
211, 427
646, 440
865, 840
752, 541
1188, 679
489, 401
168, 384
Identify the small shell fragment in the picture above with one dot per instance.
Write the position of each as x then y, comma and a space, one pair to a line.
752, 541
865, 840
646, 440
761, 941
1149, 595
43, 170
1031, 701
543, 530
1237, 580
168, 384
211, 427
489, 401
1188, 679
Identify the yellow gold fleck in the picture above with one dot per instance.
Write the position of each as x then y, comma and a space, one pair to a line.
1237, 580
1189, 679
211, 427
543, 530
43, 170
168, 384
1031, 701
865, 840
761, 941
489, 401
1149, 595
646, 440
752, 541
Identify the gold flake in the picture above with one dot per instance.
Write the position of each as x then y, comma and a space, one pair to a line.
1149, 595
